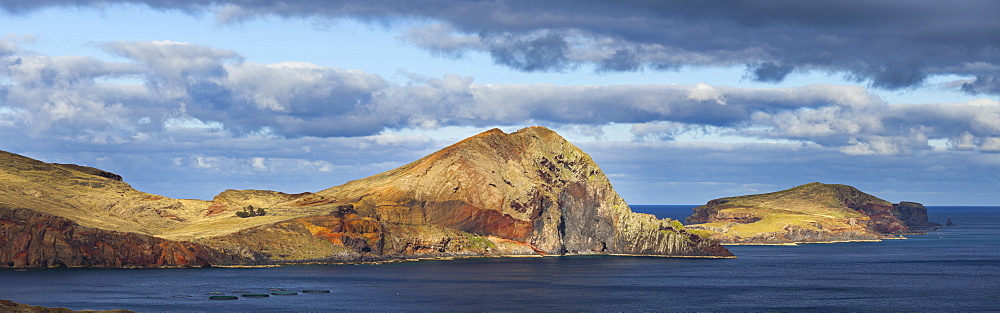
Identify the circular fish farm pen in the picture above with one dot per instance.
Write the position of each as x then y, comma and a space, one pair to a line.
223, 297
255, 295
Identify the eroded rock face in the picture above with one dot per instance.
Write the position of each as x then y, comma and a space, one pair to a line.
813, 212
912, 214
340, 235
32, 239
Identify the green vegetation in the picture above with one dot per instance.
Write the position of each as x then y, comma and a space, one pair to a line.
676, 225
813, 208
248, 211
480, 242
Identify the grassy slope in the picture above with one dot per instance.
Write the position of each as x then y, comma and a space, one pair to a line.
110, 204
803, 206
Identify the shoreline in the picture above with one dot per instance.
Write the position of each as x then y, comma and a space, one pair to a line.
388, 261
811, 242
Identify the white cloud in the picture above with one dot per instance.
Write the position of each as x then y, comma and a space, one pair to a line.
703, 92
991, 144
442, 39
206, 162
658, 130
179, 123
258, 164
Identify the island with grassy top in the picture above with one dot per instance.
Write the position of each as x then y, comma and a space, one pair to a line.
809, 213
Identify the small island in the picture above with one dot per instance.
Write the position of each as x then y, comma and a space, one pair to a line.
810, 213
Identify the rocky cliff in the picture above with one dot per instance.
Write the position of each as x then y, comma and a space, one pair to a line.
812, 212
526, 193
912, 214
32, 239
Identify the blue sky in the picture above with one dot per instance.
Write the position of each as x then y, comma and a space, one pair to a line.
679, 102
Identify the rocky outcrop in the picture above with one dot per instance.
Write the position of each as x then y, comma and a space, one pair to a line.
32, 239
233, 200
7, 306
92, 171
912, 214
340, 235
531, 187
813, 212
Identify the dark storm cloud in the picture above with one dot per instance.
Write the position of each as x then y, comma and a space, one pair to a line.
769, 71
984, 83
543, 53
624, 60
889, 44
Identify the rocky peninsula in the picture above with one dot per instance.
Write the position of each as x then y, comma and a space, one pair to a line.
527, 193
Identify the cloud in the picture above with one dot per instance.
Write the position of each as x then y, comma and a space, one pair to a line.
221, 119
178, 91
442, 39
535, 52
983, 84
665, 131
304, 127
769, 71
889, 44
167, 113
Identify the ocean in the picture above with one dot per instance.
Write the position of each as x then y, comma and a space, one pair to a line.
953, 269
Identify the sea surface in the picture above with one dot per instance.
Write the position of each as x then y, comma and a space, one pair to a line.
953, 269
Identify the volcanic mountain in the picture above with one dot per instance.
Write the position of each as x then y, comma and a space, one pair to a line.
530, 192
813, 212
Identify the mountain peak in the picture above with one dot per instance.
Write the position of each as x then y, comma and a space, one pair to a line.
531, 186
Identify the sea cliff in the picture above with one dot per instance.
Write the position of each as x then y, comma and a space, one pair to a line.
32, 239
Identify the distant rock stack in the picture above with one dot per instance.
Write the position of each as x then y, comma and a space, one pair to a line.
949, 223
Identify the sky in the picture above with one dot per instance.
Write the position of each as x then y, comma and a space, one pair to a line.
679, 102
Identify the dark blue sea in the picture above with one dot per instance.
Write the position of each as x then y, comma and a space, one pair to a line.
953, 269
